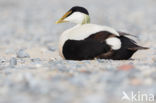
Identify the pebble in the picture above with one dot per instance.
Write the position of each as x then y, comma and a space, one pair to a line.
13, 62
135, 82
126, 67
22, 54
36, 60
2, 60
51, 48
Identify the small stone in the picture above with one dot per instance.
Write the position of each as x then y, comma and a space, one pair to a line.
36, 60
126, 67
85, 71
135, 82
2, 60
51, 48
22, 54
13, 62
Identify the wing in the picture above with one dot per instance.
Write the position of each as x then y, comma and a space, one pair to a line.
126, 34
101, 36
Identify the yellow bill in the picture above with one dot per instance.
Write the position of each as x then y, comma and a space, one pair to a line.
62, 19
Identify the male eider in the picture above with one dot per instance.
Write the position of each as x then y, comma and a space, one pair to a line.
88, 41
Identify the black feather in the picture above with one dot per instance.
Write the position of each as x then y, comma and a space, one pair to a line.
83, 49
79, 9
128, 48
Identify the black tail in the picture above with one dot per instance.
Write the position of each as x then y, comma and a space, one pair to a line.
138, 48
131, 44
128, 48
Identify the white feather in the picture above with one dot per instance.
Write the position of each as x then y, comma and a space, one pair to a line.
114, 42
80, 32
76, 17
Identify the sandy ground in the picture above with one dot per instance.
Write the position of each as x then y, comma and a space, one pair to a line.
31, 71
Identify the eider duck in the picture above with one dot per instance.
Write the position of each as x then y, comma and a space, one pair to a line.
87, 41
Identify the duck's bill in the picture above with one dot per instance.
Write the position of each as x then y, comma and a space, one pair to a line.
62, 19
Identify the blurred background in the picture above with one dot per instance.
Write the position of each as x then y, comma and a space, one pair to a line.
34, 21
32, 71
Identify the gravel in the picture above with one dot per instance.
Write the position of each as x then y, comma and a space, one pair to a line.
22, 54
38, 74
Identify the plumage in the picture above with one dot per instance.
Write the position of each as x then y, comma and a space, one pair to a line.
80, 32
87, 41
83, 49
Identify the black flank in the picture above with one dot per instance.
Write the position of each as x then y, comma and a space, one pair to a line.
89, 48
83, 49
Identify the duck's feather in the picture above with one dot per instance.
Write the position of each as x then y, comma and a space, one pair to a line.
83, 49
125, 34
81, 32
89, 48
92, 41
128, 48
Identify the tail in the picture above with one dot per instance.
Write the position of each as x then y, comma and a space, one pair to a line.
131, 44
138, 48
128, 48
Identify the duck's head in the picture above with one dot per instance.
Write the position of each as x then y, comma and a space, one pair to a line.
76, 14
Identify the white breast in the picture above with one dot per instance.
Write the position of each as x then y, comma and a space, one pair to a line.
80, 32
